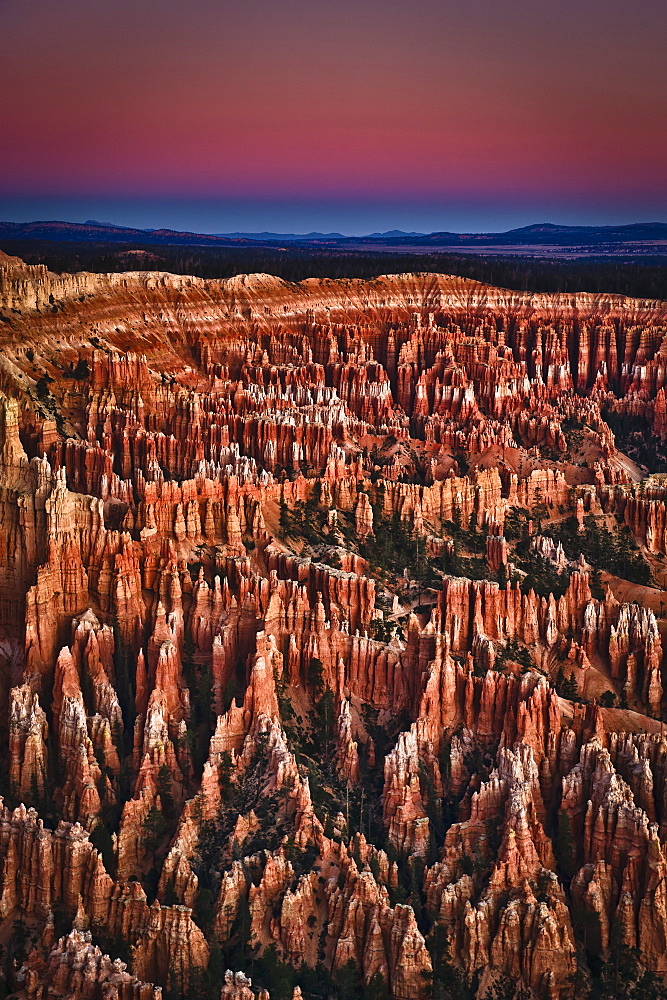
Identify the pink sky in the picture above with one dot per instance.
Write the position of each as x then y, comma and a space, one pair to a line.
376, 98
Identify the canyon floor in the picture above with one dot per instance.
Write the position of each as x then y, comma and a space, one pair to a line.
332, 619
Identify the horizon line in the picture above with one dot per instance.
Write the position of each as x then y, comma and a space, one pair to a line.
250, 233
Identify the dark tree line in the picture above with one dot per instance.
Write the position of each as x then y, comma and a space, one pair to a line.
621, 276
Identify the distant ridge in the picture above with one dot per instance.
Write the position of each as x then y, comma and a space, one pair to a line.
301, 237
545, 239
392, 233
106, 225
105, 232
281, 237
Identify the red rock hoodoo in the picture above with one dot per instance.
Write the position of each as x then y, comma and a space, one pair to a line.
332, 632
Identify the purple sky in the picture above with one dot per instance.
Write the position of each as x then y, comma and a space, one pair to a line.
349, 116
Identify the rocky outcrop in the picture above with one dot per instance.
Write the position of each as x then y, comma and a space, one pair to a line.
290, 572
76, 969
238, 986
28, 749
380, 939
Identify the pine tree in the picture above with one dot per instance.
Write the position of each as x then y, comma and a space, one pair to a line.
285, 525
153, 829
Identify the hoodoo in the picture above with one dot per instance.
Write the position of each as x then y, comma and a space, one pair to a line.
331, 637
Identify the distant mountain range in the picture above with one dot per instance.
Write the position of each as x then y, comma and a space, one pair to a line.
543, 239
308, 237
281, 237
109, 232
105, 232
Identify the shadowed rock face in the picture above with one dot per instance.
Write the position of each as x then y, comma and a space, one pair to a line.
330, 631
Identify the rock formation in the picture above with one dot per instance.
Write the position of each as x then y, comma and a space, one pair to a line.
331, 636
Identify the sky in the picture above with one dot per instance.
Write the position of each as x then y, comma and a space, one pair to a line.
335, 115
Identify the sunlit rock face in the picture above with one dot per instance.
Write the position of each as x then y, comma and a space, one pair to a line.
331, 635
